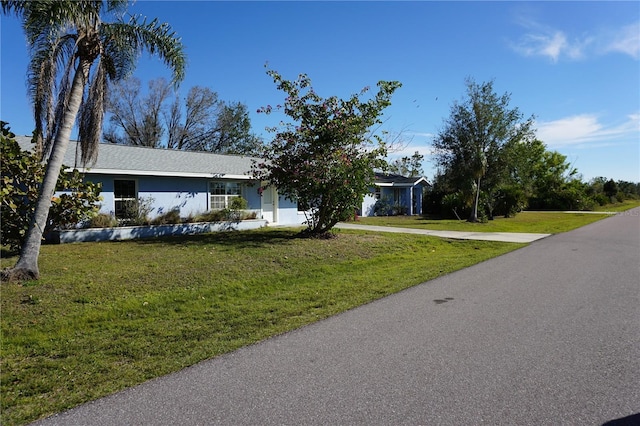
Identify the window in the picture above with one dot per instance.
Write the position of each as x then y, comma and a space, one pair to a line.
221, 194
397, 195
377, 193
124, 194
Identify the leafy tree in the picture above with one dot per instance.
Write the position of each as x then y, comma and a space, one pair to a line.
203, 123
470, 146
522, 160
407, 166
72, 46
629, 189
22, 173
557, 185
326, 158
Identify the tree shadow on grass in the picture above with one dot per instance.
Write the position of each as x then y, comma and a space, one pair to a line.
249, 238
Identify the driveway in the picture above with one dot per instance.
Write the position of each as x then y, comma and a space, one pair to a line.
509, 237
545, 335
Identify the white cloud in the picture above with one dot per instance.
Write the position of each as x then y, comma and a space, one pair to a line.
587, 129
406, 143
626, 40
408, 150
555, 44
542, 45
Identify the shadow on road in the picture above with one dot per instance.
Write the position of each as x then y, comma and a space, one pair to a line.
632, 420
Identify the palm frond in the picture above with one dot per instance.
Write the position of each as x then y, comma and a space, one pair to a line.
154, 37
46, 58
91, 116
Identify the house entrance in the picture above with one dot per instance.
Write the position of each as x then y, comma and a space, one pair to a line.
270, 204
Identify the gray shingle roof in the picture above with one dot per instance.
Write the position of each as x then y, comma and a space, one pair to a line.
399, 180
122, 159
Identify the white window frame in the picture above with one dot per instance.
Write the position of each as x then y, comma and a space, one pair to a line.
222, 192
117, 199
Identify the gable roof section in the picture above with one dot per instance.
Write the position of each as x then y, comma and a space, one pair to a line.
143, 161
383, 179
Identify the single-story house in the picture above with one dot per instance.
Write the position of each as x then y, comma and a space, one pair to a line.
395, 194
197, 182
192, 182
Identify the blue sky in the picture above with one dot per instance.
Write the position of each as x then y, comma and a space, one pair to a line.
575, 66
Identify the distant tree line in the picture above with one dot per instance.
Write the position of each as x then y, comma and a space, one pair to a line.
491, 163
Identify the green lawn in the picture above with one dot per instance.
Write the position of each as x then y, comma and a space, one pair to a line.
534, 222
619, 207
105, 316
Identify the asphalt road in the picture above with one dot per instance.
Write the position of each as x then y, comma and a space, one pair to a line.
546, 335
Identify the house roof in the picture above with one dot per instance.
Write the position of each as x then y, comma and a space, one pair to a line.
143, 161
383, 179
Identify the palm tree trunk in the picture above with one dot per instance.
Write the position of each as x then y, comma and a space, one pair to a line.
474, 210
27, 266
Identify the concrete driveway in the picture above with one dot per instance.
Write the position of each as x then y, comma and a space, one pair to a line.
509, 237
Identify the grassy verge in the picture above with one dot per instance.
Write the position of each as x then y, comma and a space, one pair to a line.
619, 207
106, 316
533, 222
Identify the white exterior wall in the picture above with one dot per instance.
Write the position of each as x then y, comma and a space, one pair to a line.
367, 205
288, 213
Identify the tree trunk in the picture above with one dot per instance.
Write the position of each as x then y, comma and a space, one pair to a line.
474, 210
27, 266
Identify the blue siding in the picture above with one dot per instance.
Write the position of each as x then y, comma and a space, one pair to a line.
288, 213
189, 195
395, 195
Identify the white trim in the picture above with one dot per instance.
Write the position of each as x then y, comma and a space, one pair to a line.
395, 185
405, 185
121, 199
161, 173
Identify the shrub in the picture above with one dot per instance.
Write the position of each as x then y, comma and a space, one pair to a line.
601, 199
136, 212
238, 203
212, 216
383, 207
22, 173
171, 217
453, 205
224, 215
103, 220
236, 206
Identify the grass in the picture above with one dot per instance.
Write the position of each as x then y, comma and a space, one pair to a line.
532, 222
619, 207
106, 316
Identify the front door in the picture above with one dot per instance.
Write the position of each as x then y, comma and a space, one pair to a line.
269, 204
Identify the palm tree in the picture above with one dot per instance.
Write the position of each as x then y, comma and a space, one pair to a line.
74, 56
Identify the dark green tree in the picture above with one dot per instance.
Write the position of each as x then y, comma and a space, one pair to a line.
610, 189
557, 185
71, 45
471, 144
